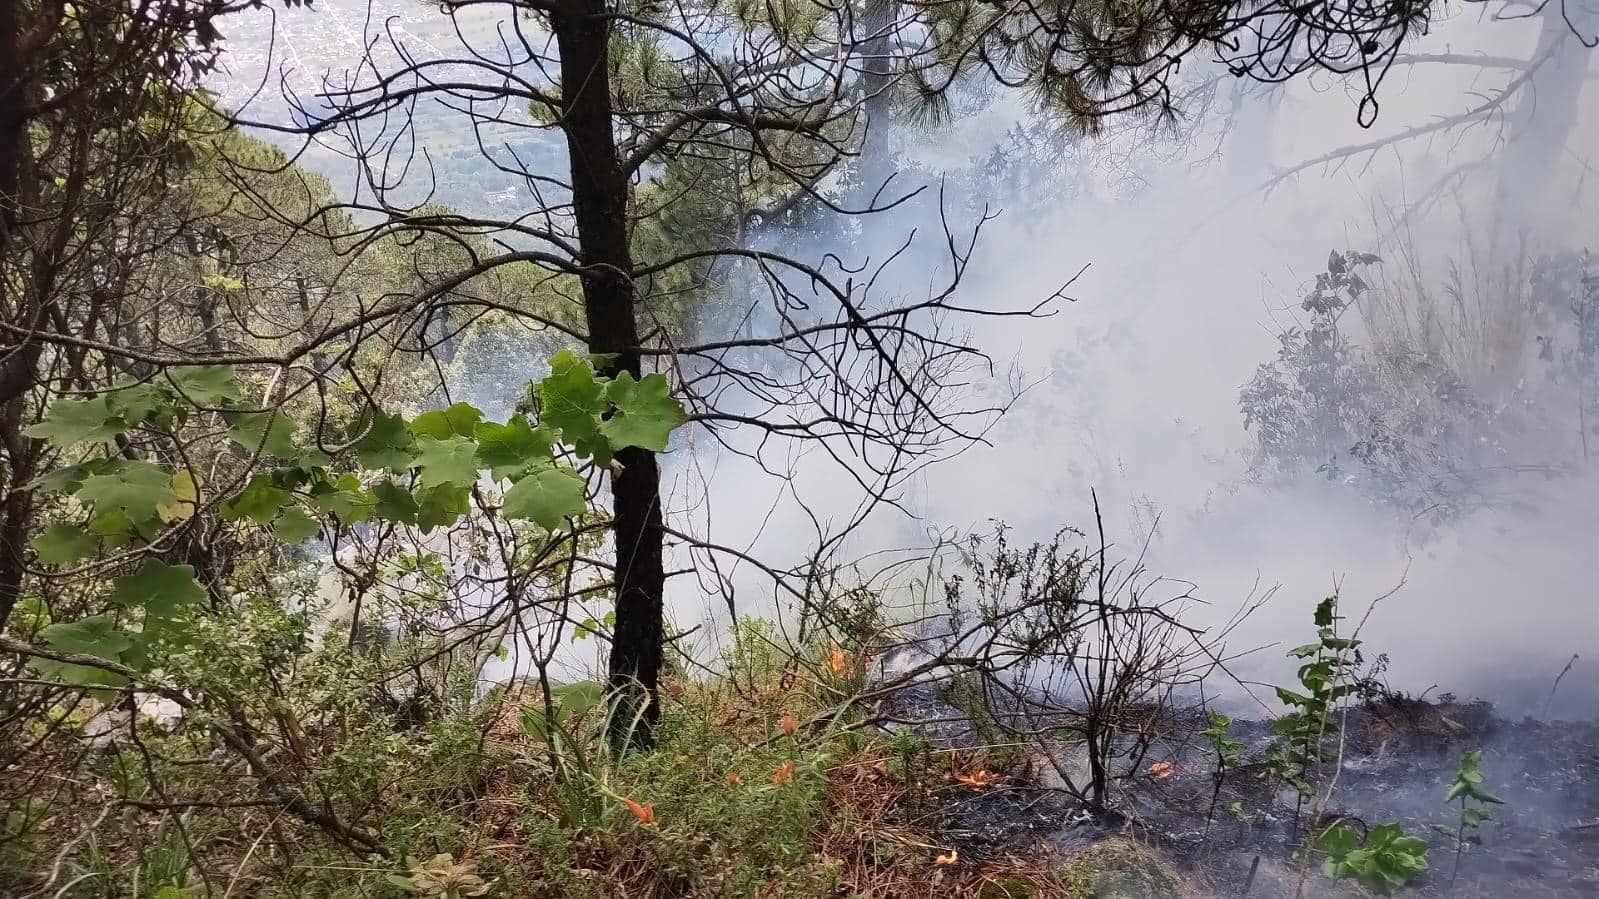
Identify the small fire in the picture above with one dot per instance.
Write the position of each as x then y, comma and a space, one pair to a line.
789, 723
978, 779
1163, 769
837, 662
783, 773
947, 858
643, 811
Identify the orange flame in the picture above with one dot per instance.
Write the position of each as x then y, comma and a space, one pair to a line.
837, 662
644, 812
783, 773
1163, 769
978, 779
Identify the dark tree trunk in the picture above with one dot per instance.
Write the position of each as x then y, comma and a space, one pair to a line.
599, 199
877, 84
18, 359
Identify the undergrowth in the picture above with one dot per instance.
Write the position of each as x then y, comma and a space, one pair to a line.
756, 787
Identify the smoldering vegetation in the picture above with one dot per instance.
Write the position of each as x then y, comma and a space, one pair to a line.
1287, 360
1192, 501
1372, 371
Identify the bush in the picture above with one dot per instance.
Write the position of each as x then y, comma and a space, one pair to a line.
1451, 391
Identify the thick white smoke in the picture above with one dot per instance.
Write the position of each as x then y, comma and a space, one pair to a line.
1193, 272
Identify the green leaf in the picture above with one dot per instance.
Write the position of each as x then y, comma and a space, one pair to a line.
442, 506
451, 461
578, 697
188, 494
134, 488
63, 480
403, 882
294, 526
546, 497
62, 544
162, 590
271, 432
460, 420
386, 444
1482, 795
94, 636
344, 499
1340, 839
141, 401
78, 421
394, 503
645, 415
206, 385
259, 501
508, 450
572, 401
570, 701
1326, 612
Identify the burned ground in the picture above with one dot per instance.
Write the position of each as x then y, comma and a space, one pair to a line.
1389, 760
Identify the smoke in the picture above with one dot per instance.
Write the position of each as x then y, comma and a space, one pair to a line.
1192, 271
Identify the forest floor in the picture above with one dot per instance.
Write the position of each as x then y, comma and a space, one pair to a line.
1394, 761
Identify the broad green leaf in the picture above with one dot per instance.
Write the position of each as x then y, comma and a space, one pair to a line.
294, 526
394, 503
160, 589
134, 488
77, 421
259, 501
94, 636
63, 480
141, 401
188, 494
509, 449
403, 882
578, 697
546, 497
442, 506
572, 400
114, 527
386, 444
450, 461
344, 499
646, 413
460, 420
206, 385
62, 544
271, 432
571, 700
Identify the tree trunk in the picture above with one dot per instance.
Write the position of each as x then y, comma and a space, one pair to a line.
1246, 151
599, 200
1541, 122
18, 357
877, 83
